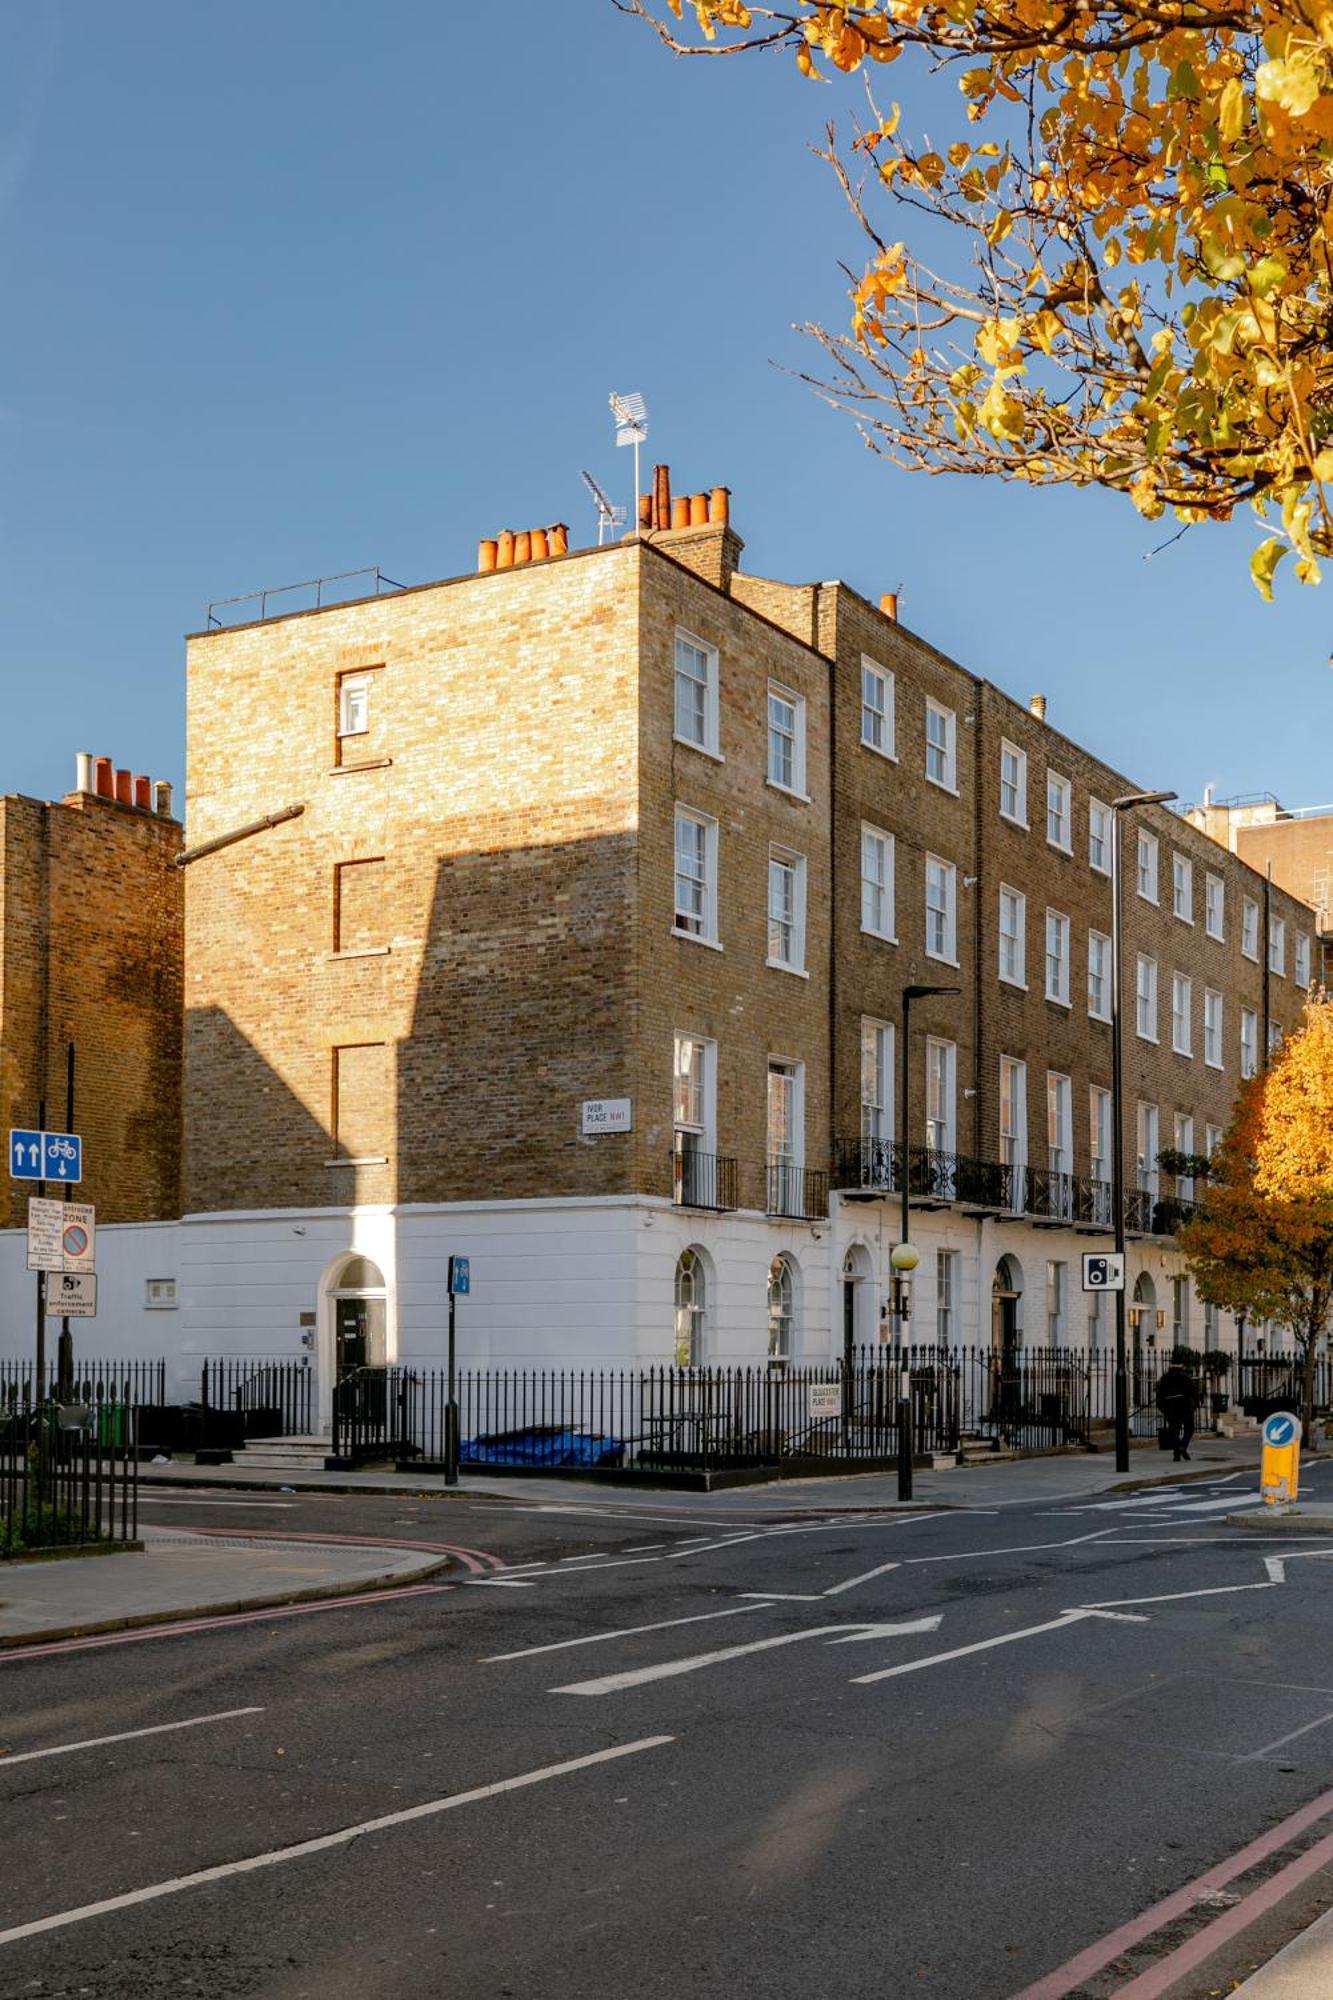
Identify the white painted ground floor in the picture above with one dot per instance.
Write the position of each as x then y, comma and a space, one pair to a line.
624, 1281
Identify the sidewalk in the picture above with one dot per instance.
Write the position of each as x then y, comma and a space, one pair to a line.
1061, 1477
1302, 1970
180, 1575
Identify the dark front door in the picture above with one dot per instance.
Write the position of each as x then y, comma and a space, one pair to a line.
1005, 1394
353, 1331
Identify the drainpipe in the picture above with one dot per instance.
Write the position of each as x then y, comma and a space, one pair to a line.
1267, 975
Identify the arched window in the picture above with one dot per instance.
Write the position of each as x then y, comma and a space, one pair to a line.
691, 1309
781, 1310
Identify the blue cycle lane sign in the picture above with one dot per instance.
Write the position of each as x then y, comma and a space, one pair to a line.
45, 1156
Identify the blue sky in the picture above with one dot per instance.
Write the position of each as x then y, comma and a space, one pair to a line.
298, 286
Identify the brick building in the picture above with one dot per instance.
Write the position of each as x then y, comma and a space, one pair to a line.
1296, 845
91, 935
559, 914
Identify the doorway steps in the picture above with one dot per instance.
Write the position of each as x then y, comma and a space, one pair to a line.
286, 1454
976, 1449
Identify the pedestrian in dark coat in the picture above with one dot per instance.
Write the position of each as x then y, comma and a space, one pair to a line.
1177, 1400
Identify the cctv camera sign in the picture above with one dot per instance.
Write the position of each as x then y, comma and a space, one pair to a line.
1103, 1272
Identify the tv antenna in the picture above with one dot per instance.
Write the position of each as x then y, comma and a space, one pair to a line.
631, 420
607, 515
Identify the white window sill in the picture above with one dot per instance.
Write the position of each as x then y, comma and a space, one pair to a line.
777, 965
801, 798
938, 958
370, 764
1146, 1038
1007, 979
1021, 824
941, 786
1144, 897
1209, 1063
1252, 956
1097, 868
703, 749
1059, 1000
360, 951
161, 1305
884, 937
1176, 1050
1094, 1016
694, 937
1059, 847
1218, 937
350, 735
1183, 920
360, 1160
889, 756
1273, 973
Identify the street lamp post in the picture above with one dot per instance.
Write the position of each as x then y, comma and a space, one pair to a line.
904, 1258
1118, 808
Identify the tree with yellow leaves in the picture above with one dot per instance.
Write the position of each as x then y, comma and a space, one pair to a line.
1261, 1240
1144, 190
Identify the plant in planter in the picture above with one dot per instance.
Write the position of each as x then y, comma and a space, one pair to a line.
1215, 1366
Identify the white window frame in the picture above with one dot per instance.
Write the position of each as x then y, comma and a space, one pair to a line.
1182, 986
1099, 816
796, 703
946, 750
1277, 946
883, 845
1059, 928
794, 1073
1214, 907
1060, 807
1249, 929
942, 1093
704, 1124
1102, 1013
1059, 1123
708, 743
1016, 972
159, 1295
353, 699
1249, 1042
1148, 1144
1014, 1097
1213, 1031
1057, 1301
1182, 888
887, 724
790, 868
1301, 967
1019, 817
1100, 1104
946, 1296
707, 934
1146, 857
1185, 1144
1213, 1136
878, 1046
948, 878
1145, 997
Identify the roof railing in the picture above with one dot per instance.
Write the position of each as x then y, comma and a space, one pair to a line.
319, 584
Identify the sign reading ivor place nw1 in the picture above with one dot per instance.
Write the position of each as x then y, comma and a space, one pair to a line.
62, 1235
45, 1156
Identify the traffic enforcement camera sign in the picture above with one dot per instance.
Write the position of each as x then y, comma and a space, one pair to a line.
1103, 1272
71, 1295
1280, 1477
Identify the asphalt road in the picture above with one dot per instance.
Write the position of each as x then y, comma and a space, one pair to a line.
663, 1752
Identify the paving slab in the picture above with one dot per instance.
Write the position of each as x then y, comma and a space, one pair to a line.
1303, 1970
179, 1575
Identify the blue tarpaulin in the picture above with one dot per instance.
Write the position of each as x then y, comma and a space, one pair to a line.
543, 1445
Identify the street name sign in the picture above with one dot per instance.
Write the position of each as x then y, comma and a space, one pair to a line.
607, 1114
1103, 1271
45, 1156
825, 1399
460, 1277
71, 1295
62, 1235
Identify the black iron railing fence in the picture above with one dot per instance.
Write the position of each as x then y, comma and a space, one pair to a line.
137, 1383
274, 1398
703, 1180
68, 1474
872, 1167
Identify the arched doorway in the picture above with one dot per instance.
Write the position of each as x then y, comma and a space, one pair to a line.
857, 1298
691, 1297
781, 1310
358, 1298
1143, 1330
1006, 1335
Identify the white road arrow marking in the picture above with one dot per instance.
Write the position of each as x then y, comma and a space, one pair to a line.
625, 1632
981, 1646
836, 1589
667, 1669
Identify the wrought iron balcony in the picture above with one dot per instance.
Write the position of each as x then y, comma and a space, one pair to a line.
798, 1192
867, 1167
703, 1180
1170, 1212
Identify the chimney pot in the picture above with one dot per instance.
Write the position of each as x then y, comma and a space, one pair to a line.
143, 794
1038, 706
888, 604
522, 547
488, 555
557, 538
540, 551
162, 799
83, 771
645, 511
125, 788
719, 506
504, 549
698, 510
104, 778
680, 512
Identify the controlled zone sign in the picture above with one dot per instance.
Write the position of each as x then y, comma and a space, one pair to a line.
1103, 1271
71, 1295
62, 1235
